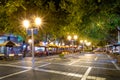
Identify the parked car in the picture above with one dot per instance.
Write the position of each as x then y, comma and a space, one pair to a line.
115, 51
40, 51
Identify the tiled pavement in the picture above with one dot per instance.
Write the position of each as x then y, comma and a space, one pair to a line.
73, 67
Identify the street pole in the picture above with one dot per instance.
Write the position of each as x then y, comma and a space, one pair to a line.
72, 40
83, 46
26, 24
118, 28
33, 60
72, 46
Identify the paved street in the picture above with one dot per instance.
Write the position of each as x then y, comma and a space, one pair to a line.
87, 66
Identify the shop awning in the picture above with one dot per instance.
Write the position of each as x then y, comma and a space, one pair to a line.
9, 44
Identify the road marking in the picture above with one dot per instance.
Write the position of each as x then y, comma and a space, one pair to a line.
71, 74
96, 62
86, 73
96, 78
74, 62
15, 63
23, 66
96, 67
108, 56
115, 65
14, 74
60, 72
85, 66
15, 66
87, 59
28, 69
44, 65
96, 58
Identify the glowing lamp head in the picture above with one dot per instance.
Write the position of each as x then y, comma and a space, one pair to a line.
38, 21
30, 41
81, 41
69, 37
75, 37
26, 23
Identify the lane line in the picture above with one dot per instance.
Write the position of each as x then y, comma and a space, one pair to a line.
15, 66
96, 58
44, 65
14, 74
28, 69
59, 72
96, 78
86, 73
74, 62
15, 63
70, 74
85, 66
11, 65
96, 63
97, 67
115, 65
108, 56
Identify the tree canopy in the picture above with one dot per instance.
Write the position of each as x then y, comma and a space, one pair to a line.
95, 20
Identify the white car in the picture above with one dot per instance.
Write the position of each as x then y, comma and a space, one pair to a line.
115, 51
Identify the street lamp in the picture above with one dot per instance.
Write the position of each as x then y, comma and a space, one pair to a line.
72, 39
30, 41
27, 25
69, 38
75, 37
83, 43
88, 43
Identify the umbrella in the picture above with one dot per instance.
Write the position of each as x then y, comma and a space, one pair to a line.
54, 46
9, 44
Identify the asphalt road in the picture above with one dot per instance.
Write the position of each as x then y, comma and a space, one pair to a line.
76, 66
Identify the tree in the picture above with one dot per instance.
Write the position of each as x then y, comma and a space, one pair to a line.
95, 20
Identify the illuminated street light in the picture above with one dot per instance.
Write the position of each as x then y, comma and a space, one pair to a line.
26, 24
69, 38
30, 41
72, 39
75, 37
88, 43
38, 21
83, 43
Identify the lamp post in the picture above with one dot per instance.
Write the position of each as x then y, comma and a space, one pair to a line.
30, 43
72, 39
88, 43
26, 24
83, 43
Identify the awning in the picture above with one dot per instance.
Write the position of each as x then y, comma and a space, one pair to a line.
9, 44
